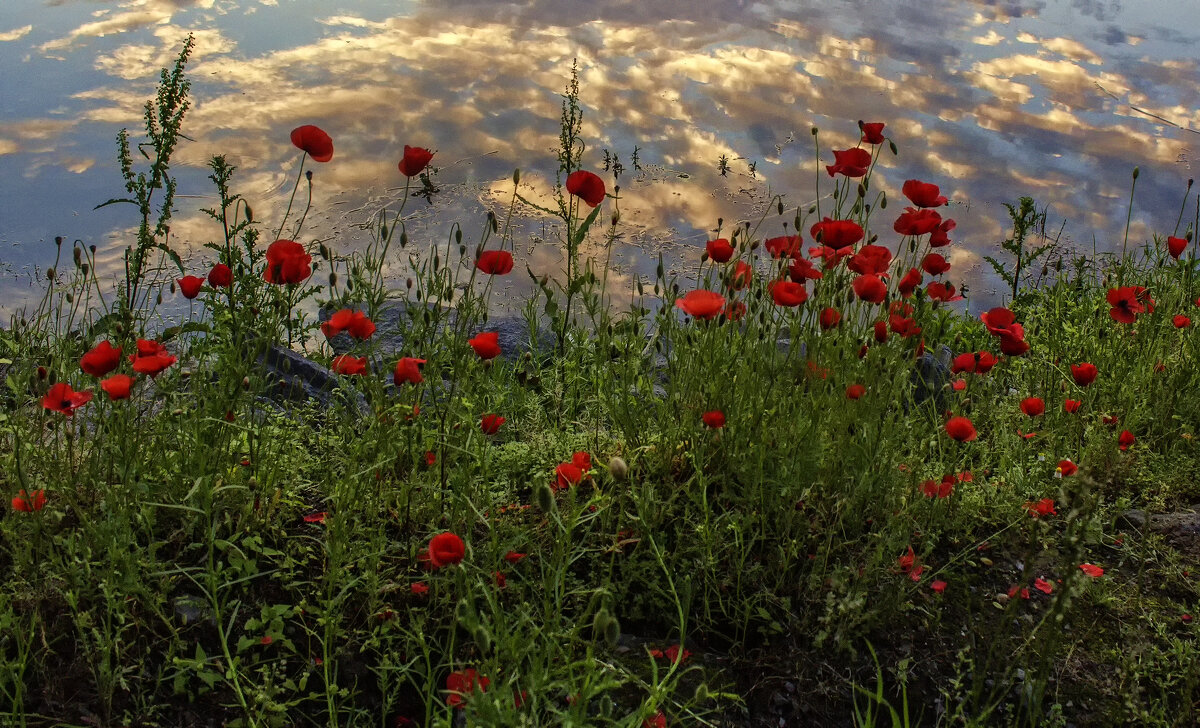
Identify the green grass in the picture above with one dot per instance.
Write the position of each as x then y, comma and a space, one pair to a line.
208, 553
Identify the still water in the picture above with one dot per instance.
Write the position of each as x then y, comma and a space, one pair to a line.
991, 99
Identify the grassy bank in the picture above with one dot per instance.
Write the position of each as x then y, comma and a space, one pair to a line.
656, 515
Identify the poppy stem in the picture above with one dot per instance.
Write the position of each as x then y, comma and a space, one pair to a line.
292, 198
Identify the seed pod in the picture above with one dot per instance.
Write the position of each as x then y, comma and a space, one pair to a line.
85, 268
814, 131
70, 298
308, 175
408, 283
50, 274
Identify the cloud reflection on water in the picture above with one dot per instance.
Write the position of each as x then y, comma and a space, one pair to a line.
982, 97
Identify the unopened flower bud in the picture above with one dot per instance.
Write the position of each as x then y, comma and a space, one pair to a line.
544, 498
245, 382
516, 176
308, 175
617, 468
76, 253
408, 283
50, 274
333, 279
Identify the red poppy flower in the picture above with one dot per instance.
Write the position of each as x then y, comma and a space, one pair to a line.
566, 475
657, 721
958, 385
1176, 246
1110, 419
1033, 406
802, 269
1126, 439
220, 276
117, 386
872, 131
1181, 322
905, 327
1084, 374
586, 186
984, 361
446, 549
414, 161
870, 260
830, 318
787, 246
735, 310
1042, 585
408, 370
1071, 406
1014, 590
830, 256
287, 263
676, 654
101, 360
934, 264
318, 517
938, 489
1125, 303
850, 162
701, 304
787, 293
911, 565
836, 233
1013, 346
152, 358
714, 419
1044, 507
909, 282
1092, 570
495, 262
27, 503
719, 250
314, 141
963, 363
855, 391
61, 398
870, 288
939, 236
1066, 468
461, 684
418, 588
960, 428
938, 585
582, 460
513, 557
923, 194
943, 292
742, 273
1002, 322
349, 365
189, 286
486, 344
917, 222
490, 424
430, 458
881, 332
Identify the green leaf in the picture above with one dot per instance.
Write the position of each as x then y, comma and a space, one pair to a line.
172, 255
587, 223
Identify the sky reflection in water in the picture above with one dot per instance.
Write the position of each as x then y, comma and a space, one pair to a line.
989, 99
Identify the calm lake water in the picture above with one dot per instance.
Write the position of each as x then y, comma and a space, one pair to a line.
991, 99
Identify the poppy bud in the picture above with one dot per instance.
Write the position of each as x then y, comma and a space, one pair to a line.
76, 253
516, 176
308, 175
41, 373
85, 268
333, 279
883, 201
812, 209
814, 131
544, 498
58, 240
383, 230
172, 288
754, 245
323, 251
408, 283
50, 274
249, 214
1136, 172
462, 250
892, 146
616, 217
617, 468
458, 236
779, 206
349, 284
403, 238
70, 298
612, 632
862, 190
158, 298
437, 261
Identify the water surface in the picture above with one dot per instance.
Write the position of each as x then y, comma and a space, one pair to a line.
1057, 99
